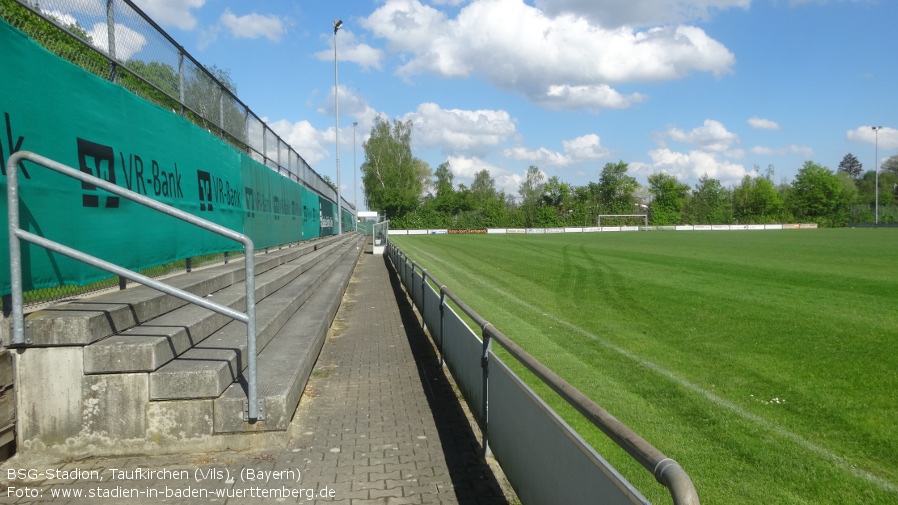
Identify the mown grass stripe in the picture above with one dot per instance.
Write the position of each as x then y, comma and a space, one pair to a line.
828, 349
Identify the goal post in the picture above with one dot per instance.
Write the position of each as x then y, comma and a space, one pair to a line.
618, 219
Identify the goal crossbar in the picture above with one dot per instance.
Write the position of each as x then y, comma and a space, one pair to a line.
645, 217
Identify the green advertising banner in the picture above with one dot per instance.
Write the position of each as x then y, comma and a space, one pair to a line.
328, 217
60, 111
311, 215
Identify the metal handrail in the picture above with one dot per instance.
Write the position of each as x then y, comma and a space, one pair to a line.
666, 471
253, 411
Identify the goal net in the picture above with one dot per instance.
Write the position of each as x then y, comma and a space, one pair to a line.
623, 220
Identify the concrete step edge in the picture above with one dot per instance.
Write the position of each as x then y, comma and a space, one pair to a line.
208, 368
82, 322
149, 346
282, 375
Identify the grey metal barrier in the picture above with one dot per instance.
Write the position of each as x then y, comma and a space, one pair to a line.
517, 424
129, 47
16, 234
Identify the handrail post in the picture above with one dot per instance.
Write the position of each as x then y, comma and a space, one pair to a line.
253, 411
15, 251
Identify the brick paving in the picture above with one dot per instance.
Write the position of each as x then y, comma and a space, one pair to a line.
380, 423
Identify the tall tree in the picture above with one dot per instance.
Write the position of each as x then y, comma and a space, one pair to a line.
817, 195
617, 189
532, 187
393, 179
851, 166
531, 190
669, 198
483, 189
756, 200
557, 195
444, 178
891, 164
711, 203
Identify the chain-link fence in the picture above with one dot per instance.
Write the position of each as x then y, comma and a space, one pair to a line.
115, 40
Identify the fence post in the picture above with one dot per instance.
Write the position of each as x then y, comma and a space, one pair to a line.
110, 38
442, 333
182, 93
423, 297
485, 365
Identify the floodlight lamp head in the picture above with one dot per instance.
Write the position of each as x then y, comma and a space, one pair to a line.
877, 128
337, 25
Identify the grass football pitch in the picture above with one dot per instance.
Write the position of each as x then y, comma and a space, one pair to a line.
764, 362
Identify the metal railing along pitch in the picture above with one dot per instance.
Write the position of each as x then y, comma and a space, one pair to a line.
665, 470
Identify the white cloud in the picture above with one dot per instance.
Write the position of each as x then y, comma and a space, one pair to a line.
456, 131
639, 13
350, 49
713, 153
312, 144
763, 124
587, 147
561, 61
594, 98
538, 156
253, 26
804, 151
464, 168
127, 41
888, 137
171, 12
351, 104
712, 136
691, 166
62, 18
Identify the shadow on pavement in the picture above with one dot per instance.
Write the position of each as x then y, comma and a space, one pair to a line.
472, 478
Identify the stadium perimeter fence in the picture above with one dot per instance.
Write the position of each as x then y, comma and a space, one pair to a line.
121, 43
116, 40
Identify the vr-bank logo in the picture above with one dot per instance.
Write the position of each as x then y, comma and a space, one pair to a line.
14, 147
97, 160
204, 181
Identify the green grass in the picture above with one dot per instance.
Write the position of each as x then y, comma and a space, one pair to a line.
765, 363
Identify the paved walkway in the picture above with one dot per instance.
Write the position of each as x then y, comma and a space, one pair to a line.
379, 423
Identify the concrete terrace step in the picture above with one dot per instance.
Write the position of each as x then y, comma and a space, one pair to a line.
211, 366
152, 344
82, 322
284, 366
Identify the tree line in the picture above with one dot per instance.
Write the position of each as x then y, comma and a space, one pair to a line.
414, 196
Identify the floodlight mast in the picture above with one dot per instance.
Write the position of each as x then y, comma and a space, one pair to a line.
876, 167
355, 176
337, 25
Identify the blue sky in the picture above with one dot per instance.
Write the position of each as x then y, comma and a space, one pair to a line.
685, 87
